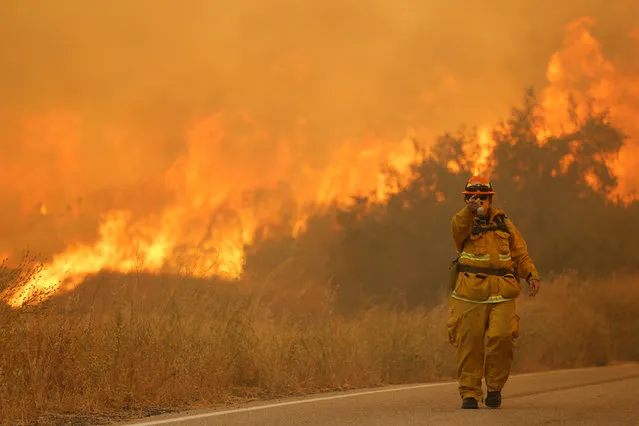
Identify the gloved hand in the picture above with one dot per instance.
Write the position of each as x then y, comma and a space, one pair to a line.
533, 285
473, 204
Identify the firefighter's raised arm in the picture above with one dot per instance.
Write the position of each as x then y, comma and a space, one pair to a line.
462, 226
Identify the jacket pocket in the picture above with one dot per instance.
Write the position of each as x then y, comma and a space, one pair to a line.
476, 244
503, 242
472, 286
510, 287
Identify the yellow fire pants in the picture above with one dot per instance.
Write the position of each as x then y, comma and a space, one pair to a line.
484, 335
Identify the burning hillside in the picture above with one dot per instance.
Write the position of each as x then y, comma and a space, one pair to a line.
119, 193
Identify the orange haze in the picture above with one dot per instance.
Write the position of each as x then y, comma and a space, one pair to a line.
157, 136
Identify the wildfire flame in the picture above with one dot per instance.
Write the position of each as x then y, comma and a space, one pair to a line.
580, 74
208, 214
212, 217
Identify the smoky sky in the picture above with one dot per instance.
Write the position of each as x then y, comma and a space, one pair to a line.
137, 74
346, 64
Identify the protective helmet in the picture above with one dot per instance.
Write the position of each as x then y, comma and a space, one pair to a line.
478, 185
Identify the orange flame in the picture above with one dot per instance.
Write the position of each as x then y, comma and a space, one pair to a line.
580, 74
213, 216
211, 209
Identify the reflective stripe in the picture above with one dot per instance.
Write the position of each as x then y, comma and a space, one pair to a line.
470, 256
491, 299
484, 258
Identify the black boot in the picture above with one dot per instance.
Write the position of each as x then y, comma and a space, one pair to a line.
493, 399
470, 404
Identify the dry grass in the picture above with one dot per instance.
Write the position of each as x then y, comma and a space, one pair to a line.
197, 346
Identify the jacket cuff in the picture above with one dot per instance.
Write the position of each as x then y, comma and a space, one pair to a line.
533, 276
464, 212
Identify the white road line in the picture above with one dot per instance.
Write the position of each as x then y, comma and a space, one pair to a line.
283, 404
332, 397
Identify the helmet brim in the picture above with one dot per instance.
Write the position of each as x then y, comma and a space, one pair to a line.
478, 193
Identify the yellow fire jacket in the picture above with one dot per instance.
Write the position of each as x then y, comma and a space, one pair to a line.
493, 256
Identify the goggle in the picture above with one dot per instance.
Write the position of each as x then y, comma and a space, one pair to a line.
478, 188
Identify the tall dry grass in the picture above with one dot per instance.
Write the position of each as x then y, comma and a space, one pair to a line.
123, 353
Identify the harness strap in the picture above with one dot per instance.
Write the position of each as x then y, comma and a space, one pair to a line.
487, 271
500, 225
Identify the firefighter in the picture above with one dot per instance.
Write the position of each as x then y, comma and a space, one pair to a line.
483, 323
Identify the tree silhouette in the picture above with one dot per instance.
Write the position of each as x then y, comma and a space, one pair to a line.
398, 252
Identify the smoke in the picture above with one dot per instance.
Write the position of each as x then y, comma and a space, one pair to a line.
99, 98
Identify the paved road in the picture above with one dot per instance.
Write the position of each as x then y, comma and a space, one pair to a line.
594, 396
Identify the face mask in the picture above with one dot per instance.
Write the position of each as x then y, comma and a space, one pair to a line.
483, 208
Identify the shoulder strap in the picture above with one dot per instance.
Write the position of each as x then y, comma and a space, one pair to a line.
500, 219
500, 225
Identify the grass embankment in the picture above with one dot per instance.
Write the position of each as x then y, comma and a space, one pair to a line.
198, 347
